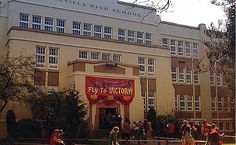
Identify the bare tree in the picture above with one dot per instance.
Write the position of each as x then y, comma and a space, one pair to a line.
16, 79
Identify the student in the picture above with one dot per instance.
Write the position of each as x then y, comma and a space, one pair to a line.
55, 137
112, 139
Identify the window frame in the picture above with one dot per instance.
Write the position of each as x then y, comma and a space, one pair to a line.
48, 24
24, 20
76, 28
107, 34
148, 38
60, 25
97, 31
121, 34
55, 56
83, 54
139, 37
87, 29
36, 24
41, 55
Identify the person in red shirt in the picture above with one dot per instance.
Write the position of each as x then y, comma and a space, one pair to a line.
171, 129
55, 137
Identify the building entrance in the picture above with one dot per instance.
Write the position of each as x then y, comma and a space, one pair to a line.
107, 118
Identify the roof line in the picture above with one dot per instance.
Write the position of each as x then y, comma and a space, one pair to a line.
180, 25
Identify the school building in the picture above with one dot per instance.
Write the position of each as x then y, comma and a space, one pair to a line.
120, 56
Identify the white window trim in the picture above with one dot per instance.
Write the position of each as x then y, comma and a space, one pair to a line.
148, 40
52, 65
76, 29
181, 81
35, 23
175, 46
180, 46
82, 51
199, 101
151, 73
121, 36
189, 108
131, 37
88, 31
105, 34
60, 27
26, 22
99, 56
47, 25
185, 47
116, 55
139, 39
98, 32
39, 64
174, 73
142, 73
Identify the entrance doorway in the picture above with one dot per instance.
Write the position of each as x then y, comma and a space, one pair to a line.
107, 118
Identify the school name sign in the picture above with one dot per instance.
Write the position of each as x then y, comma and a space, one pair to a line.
109, 90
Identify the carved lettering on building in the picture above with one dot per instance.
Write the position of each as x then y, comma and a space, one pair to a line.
100, 7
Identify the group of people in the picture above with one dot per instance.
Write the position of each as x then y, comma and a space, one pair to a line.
190, 132
134, 130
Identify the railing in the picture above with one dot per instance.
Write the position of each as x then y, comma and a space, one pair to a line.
160, 141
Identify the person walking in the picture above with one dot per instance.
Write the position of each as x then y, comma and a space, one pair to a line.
187, 138
55, 137
112, 139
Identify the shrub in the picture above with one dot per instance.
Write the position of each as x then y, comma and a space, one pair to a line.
28, 128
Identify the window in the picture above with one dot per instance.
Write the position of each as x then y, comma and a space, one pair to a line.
148, 38
40, 56
221, 125
106, 56
173, 47
60, 26
131, 36
107, 32
83, 54
220, 104
218, 79
116, 57
95, 55
97, 31
195, 49
151, 66
121, 34
151, 99
189, 103
139, 37
226, 103
176, 103
213, 103
87, 29
197, 103
180, 48
187, 49
165, 42
76, 29
181, 75
227, 126
196, 78
212, 78
224, 80
24, 20
181, 103
188, 76
48, 24
141, 63
174, 75
53, 57
36, 22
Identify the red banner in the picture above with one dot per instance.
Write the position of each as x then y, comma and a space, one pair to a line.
109, 90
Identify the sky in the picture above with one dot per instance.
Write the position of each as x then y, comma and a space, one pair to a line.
192, 12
